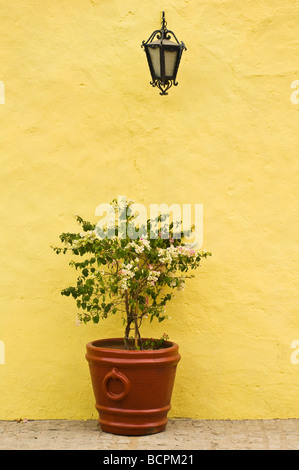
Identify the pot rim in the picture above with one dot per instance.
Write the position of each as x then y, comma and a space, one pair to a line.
94, 346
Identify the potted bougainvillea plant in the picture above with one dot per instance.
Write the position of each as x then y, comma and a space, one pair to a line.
132, 272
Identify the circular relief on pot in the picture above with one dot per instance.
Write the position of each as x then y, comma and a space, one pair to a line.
115, 376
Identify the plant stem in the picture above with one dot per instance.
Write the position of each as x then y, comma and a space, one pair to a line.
129, 320
137, 334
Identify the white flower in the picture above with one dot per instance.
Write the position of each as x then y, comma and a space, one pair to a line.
165, 255
88, 235
126, 272
181, 286
137, 248
123, 285
153, 276
173, 251
76, 244
145, 243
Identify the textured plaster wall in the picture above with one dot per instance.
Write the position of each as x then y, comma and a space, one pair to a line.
81, 125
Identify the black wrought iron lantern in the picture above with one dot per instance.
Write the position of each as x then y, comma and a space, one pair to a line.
163, 56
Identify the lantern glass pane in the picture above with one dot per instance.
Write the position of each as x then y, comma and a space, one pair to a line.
170, 62
155, 58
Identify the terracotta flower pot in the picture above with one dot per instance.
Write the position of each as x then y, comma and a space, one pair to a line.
132, 388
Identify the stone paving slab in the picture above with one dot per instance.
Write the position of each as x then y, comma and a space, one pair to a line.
180, 434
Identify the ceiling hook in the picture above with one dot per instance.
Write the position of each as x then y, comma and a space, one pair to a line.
163, 20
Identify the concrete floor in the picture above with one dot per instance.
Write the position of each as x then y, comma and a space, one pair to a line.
180, 434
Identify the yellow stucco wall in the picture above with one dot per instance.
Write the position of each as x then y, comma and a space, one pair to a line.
81, 125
